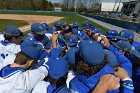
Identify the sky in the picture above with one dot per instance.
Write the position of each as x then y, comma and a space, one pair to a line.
101, 0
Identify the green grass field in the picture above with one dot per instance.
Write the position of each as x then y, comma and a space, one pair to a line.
5, 22
70, 18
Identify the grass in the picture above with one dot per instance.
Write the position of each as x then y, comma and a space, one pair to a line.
5, 22
70, 18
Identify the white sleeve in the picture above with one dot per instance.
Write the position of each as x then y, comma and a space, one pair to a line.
18, 49
70, 76
49, 35
41, 87
30, 78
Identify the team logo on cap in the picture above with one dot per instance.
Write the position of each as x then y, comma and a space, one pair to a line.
40, 27
70, 40
122, 33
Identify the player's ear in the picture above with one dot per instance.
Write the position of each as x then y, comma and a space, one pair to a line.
30, 62
13, 39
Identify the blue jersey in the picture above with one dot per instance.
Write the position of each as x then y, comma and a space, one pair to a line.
42, 42
136, 69
136, 44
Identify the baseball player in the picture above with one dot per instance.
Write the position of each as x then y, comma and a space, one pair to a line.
85, 24
93, 57
75, 25
129, 35
20, 80
8, 46
45, 26
111, 82
38, 35
58, 70
57, 25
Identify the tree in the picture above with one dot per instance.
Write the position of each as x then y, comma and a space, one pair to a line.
25, 4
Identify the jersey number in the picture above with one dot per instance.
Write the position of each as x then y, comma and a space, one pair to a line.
4, 55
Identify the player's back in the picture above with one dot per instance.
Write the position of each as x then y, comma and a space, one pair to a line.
7, 48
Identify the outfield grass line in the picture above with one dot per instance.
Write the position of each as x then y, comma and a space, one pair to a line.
70, 18
5, 22
28, 27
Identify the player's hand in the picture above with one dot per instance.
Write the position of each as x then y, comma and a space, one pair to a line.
69, 35
107, 82
121, 73
106, 42
54, 36
111, 82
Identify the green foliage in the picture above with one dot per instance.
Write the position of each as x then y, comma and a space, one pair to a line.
5, 22
25, 5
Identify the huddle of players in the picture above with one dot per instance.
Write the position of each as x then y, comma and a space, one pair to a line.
68, 59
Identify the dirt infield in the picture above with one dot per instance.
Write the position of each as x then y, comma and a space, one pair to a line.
30, 19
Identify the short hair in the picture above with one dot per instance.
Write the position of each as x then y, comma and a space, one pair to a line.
22, 58
9, 38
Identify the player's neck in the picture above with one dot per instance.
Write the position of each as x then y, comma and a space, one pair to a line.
17, 65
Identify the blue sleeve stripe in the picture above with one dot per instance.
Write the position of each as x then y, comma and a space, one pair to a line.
128, 87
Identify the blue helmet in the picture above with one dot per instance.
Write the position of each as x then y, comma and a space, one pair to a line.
45, 25
57, 24
75, 24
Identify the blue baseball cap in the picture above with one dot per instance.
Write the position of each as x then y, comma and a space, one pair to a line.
52, 29
32, 51
27, 42
57, 24
126, 34
75, 24
92, 27
70, 55
45, 25
64, 24
111, 58
86, 23
91, 52
12, 31
38, 29
112, 34
73, 40
127, 47
57, 67
97, 30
